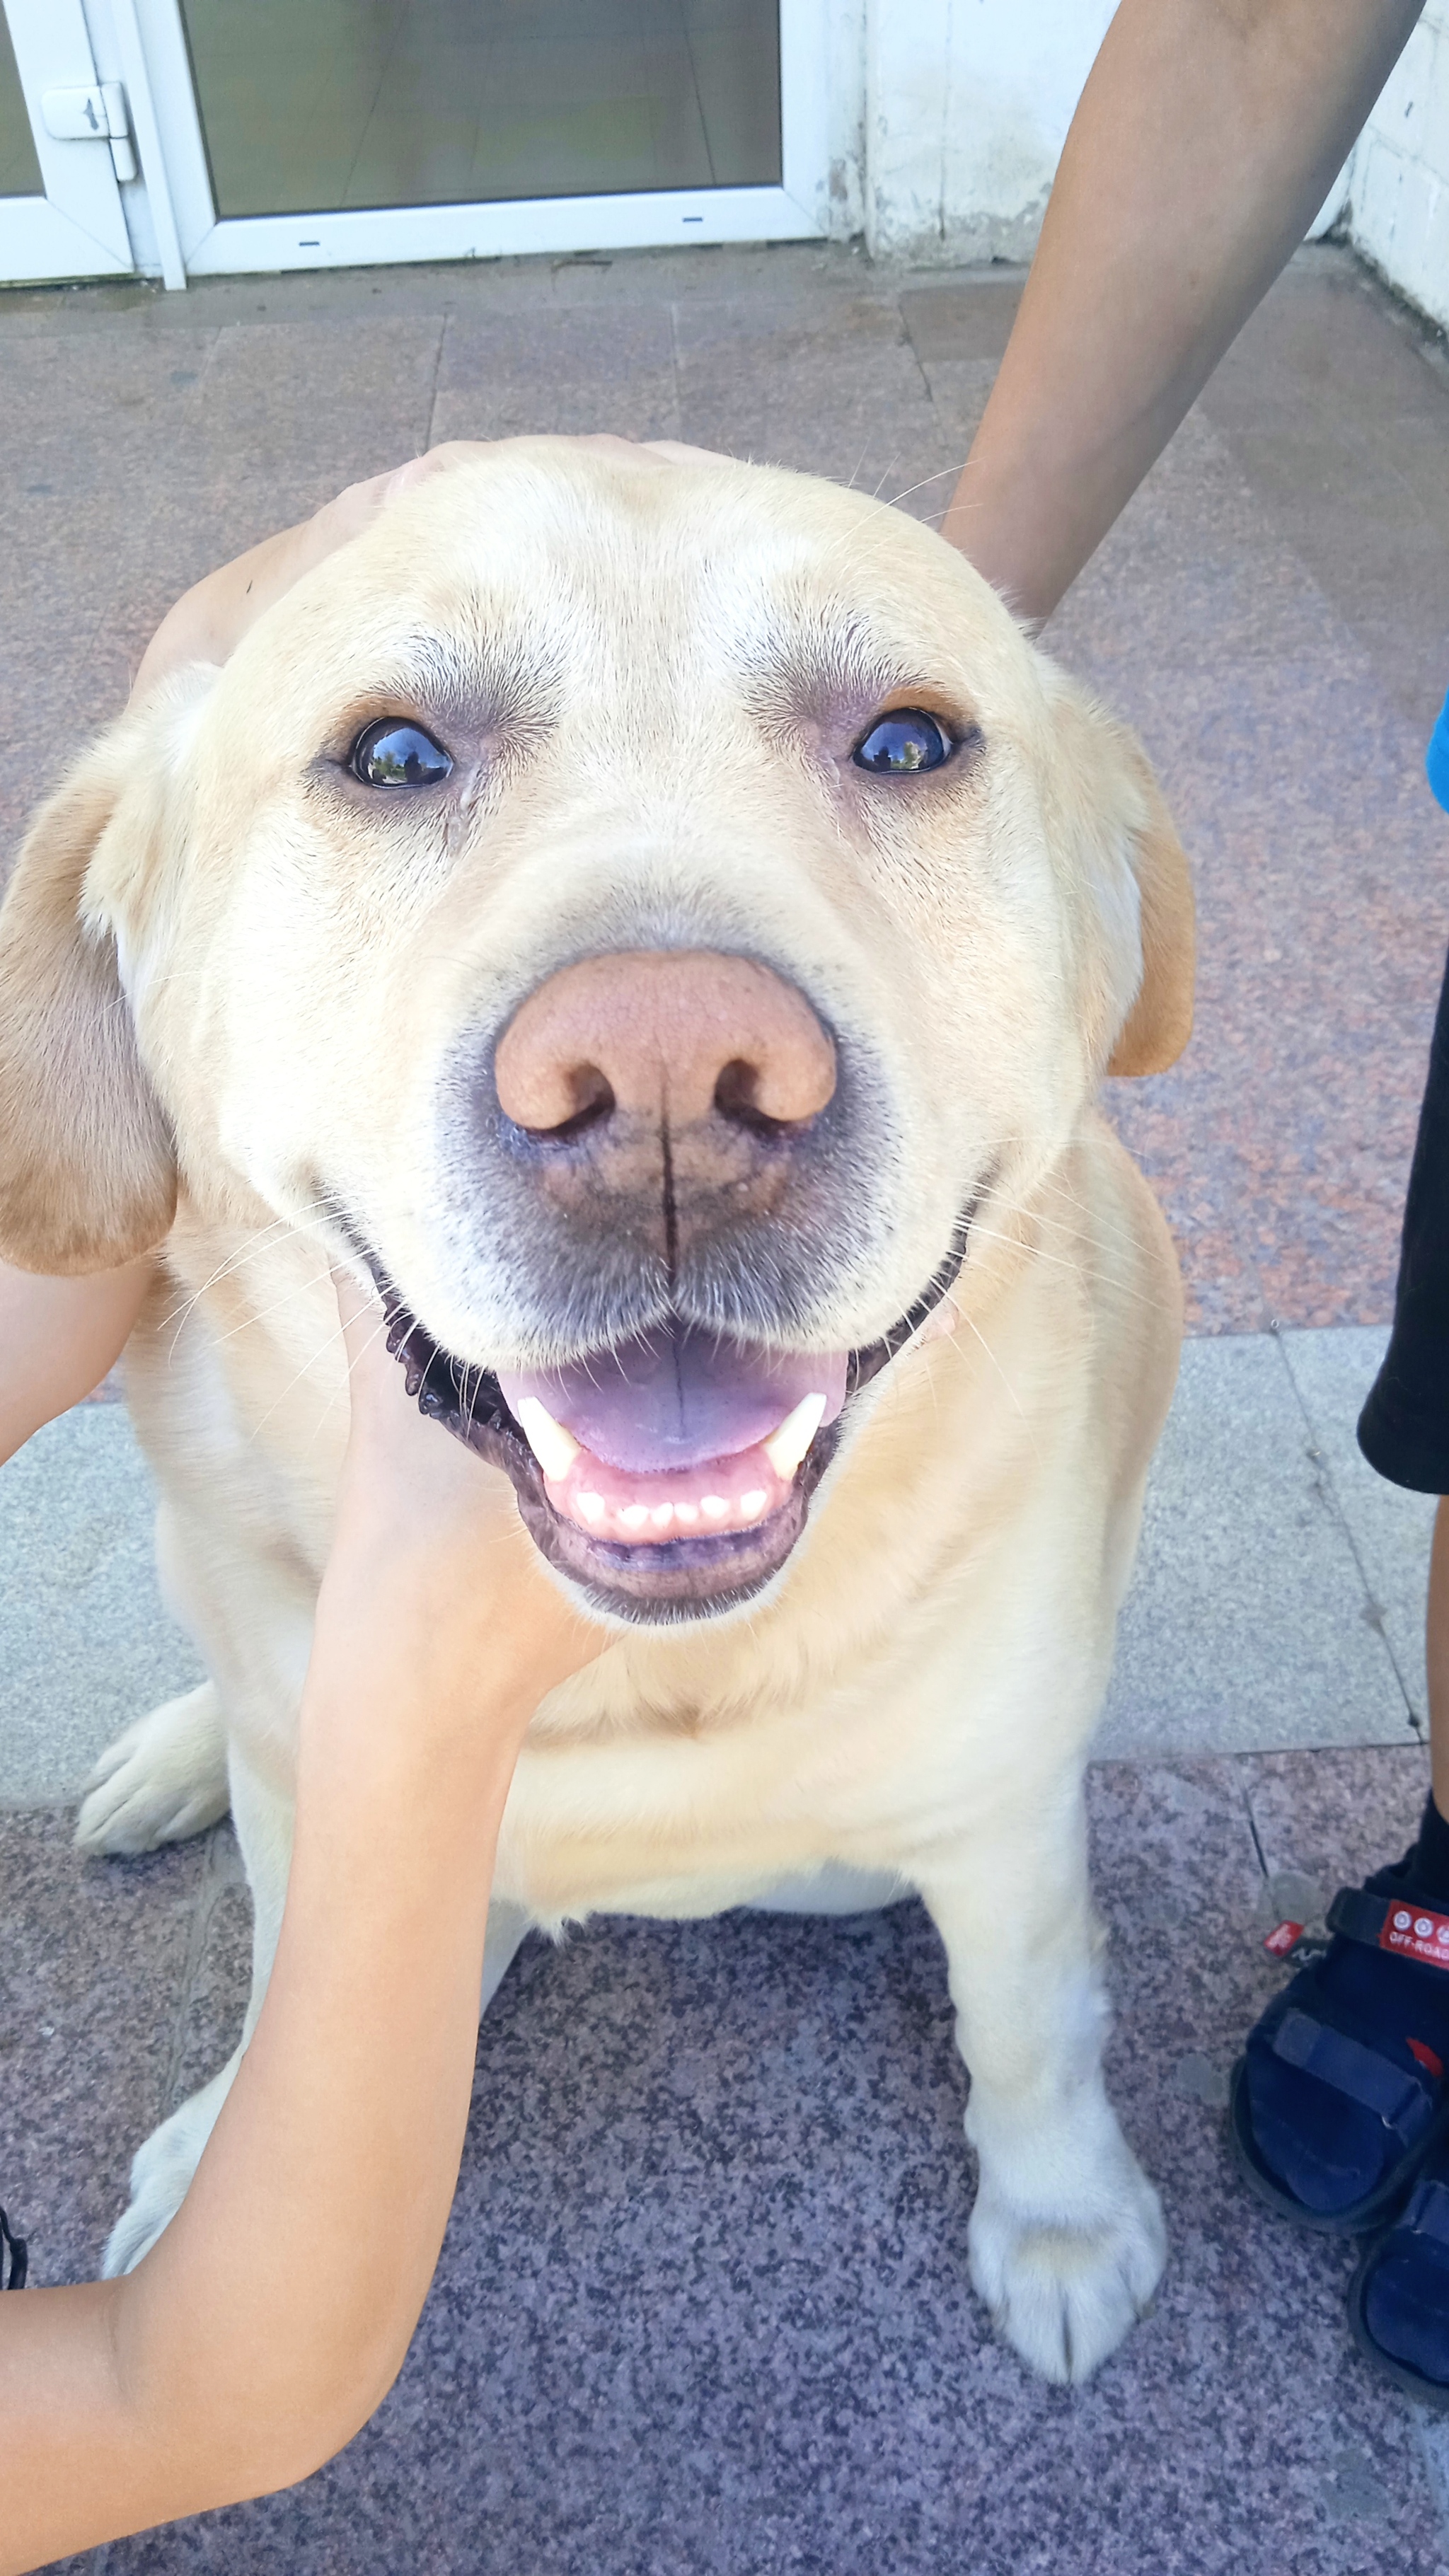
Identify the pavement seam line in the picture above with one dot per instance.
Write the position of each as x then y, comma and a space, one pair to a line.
676, 369
216, 1876
444, 327
1322, 1465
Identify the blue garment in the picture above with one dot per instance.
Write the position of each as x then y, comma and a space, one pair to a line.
1436, 759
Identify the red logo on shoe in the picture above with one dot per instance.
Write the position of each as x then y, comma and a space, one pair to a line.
1283, 1938
1415, 1933
1431, 2064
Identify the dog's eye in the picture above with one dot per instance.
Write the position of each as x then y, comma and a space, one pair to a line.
904, 741
398, 755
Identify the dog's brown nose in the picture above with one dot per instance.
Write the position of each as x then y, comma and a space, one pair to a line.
664, 1037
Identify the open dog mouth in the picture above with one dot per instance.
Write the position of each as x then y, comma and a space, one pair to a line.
670, 1475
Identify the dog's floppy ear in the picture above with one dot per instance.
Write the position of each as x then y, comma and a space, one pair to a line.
1159, 1024
87, 1170
1114, 818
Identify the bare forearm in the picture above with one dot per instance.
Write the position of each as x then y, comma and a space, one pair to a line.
1204, 143
274, 2313
58, 1338
270, 2319
355, 2089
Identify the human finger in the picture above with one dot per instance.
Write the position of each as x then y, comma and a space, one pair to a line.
424, 1516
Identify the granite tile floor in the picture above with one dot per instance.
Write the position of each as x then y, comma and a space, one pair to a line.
702, 2308
703, 2303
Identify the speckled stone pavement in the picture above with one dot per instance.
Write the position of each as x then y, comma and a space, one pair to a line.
703, 2303
703, 2307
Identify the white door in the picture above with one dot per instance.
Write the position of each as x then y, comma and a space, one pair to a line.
60, 197
333, 133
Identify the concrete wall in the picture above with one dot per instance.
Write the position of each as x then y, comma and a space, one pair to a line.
1398, 180
967, 104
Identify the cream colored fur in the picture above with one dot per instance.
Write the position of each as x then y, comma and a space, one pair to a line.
910, 1706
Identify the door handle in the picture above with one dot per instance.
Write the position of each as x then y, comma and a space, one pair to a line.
94, 115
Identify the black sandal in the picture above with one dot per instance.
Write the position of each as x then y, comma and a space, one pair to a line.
1421, 2234
1402, 2081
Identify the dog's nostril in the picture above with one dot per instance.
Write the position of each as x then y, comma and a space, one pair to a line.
591, 1100
737, 1098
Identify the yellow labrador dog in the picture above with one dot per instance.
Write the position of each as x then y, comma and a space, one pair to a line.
667, 925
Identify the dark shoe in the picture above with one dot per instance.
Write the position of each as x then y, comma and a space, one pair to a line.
1398, 2299
1341, 2093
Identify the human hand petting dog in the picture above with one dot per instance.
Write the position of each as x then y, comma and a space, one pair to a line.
209, 620
271, 2318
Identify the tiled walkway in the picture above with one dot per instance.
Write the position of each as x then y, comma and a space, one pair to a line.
703, 2302
703, 2310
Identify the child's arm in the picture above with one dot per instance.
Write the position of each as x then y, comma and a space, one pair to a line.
273, 2315
58, 1337
1205, 141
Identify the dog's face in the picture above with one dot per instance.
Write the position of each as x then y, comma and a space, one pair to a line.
643, 910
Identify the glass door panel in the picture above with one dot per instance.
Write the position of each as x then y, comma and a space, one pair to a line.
19, 166
373, 104
332, 133
60, 201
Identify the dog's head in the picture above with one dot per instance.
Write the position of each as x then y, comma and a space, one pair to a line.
642, 910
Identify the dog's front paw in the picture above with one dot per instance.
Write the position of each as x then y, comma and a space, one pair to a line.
1064, 2286
161, 2173
163, 1779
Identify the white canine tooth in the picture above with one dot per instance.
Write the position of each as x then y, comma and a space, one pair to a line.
593, 1506
786, 1447
634, 1515
713, 1506
752, 1504
553, 1447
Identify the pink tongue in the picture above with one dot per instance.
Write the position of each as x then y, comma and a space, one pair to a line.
675, 1398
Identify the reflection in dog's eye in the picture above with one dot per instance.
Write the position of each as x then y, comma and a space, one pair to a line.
903, 741
398, 755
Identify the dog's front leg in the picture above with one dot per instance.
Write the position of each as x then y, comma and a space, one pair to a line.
1066, 2239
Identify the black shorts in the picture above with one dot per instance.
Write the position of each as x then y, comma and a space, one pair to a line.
1403, 1429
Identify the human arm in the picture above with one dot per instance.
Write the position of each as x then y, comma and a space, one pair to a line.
1205, 140
59, 1337
269, 2321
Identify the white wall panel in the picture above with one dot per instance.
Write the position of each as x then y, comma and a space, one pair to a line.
1399, 187
967, 107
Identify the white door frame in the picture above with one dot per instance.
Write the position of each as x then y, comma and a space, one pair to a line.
240, 244
78, 228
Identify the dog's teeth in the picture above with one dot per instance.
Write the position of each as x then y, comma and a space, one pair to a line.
593, 1506
713, 1506
553, 1447
752, 1504
786, 1447
634, 1515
